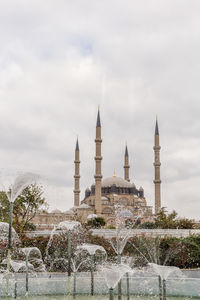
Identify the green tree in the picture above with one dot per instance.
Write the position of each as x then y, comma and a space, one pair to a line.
147, 225
166, 220
25, 207
4, 207
96, 222
185, 223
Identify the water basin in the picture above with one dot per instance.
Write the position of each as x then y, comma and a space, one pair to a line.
99, 297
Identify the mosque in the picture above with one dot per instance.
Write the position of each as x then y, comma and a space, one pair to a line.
114, 197
111, 198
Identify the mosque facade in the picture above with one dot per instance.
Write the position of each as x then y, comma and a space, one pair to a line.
113, 198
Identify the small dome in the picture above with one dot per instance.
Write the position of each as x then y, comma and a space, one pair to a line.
104, 198
91, 216
68, 225
69, 212
118, 181
125, 213
141, 189
73, 208
83, 206
88, 190
56, 211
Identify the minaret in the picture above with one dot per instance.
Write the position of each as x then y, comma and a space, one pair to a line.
126, 165
77, 176
157, 165
98, 158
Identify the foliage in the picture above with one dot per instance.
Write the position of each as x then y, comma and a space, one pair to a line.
184, 223
188, 251
147, 225
96, 222
39, 242
172, 251
144, 250
105, 243
24, 209
166, 220
4, 207
56, 255
111, 227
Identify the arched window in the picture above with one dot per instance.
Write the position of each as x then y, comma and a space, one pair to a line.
107, 210
123, 201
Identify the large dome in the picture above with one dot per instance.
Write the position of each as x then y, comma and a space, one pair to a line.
117, 181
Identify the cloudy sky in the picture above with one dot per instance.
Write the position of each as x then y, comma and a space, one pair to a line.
137, 59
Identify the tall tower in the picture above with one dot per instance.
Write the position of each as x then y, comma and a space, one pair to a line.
77, 176
98, 159
126, 165
157, 165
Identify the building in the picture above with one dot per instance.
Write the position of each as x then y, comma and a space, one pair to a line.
114, 197
111, 198
47, 220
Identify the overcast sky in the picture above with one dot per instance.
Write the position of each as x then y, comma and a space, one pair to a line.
59, 59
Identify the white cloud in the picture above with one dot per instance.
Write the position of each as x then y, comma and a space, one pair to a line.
59, 60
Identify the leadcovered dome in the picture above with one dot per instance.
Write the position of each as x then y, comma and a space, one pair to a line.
115, 185
117, 181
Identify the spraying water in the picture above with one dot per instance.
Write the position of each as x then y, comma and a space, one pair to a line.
20, 183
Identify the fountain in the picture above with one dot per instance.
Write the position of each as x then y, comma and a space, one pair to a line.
152, 251
27, 252
163, 273
80, 260
77, 262
20, 183
78, 254
113, 274
92, 250
18, 265
67, 228
118, 245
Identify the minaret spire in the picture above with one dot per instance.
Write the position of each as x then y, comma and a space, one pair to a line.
126, 165
157, 165
77, 145
98, 158
77, 175
98, 118
156, 127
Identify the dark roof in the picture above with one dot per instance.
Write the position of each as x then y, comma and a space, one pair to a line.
98, 119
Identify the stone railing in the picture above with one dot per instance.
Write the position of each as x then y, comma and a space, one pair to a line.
109, 233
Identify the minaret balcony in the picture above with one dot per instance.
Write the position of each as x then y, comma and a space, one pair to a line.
97, 176
157, 164
157, 181
98, 158
77, 161
156, 148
